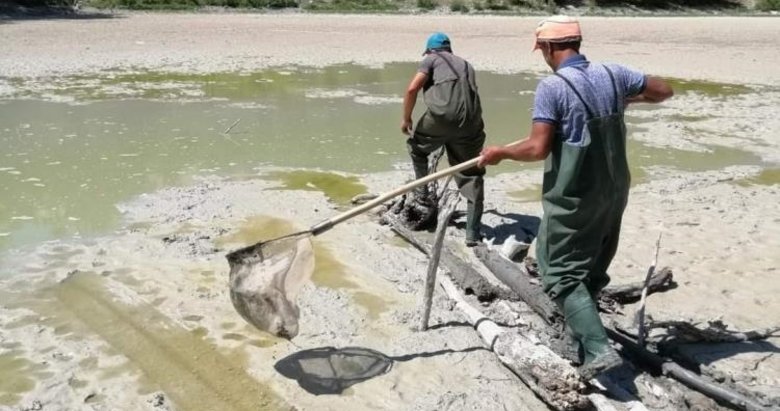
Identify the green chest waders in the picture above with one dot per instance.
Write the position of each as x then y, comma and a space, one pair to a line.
585, 190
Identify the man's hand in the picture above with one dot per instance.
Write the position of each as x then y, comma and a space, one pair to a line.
656, 91
491, 156
406, 127
534, 148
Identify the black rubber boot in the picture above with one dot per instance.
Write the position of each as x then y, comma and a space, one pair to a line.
583, 319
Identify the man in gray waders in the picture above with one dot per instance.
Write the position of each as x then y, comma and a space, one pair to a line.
453, 119
578, 128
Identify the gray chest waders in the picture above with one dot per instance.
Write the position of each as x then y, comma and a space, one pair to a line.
463, 137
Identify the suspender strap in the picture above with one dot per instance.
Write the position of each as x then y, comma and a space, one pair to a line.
614, 88
452, 68
579, 96
574, 89
449, 63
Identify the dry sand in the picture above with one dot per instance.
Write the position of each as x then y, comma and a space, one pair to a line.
727, 49
145, 321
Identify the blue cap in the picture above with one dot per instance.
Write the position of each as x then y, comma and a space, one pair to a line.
437, 41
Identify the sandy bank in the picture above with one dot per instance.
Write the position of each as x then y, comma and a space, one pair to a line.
726, 49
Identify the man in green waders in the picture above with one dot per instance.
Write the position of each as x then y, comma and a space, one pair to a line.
578, 128
453, 119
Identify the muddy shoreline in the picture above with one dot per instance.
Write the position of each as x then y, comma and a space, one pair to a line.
159, 281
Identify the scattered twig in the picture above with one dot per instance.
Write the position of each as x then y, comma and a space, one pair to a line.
715, 331
661, 280
227, 130
762, 359
640, 313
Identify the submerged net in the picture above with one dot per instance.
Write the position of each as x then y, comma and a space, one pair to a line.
265, 279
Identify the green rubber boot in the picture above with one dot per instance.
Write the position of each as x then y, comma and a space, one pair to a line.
473, 188
473, 223
582, 318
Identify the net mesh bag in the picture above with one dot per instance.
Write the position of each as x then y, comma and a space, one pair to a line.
265, 280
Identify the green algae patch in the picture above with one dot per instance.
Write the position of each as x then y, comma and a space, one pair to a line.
338, 188
708, 88
328, 270
18, 375
183, 364
688, 118
767, 177
374, 304
716, 157
527, 195
398, 241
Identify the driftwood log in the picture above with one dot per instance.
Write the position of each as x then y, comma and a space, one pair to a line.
528, 289
522, 282
552, 378
660, 280
695, 381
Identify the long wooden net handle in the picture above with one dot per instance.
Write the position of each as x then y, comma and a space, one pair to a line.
328, 224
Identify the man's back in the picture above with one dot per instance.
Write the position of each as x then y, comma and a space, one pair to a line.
556, 102
438, 71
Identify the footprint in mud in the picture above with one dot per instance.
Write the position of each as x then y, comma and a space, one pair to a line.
262, 343
234, 337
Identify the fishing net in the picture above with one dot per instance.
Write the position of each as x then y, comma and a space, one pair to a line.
265, 279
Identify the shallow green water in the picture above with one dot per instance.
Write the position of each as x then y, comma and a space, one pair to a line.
74, 147
339, 189
767, 177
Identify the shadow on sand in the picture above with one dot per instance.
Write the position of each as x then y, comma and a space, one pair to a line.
330, 370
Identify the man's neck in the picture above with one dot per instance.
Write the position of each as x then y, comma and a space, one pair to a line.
560, 56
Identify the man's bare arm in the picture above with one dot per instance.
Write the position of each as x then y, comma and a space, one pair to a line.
410, 98
534, 148
656, 91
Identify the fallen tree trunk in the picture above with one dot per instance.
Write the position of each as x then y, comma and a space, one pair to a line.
689, 378
661, 280
552, 378
523, 283
526, 288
